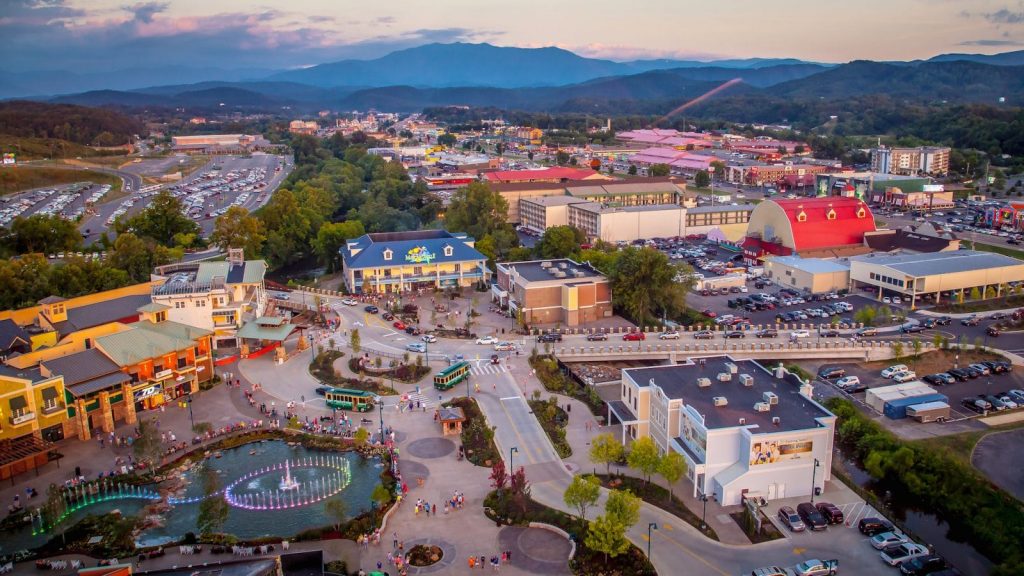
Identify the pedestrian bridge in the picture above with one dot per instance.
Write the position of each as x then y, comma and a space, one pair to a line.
836, 349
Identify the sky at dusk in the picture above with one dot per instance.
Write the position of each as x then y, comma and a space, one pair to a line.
89, 35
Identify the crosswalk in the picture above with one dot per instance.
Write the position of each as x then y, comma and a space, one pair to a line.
481, 369
422, 398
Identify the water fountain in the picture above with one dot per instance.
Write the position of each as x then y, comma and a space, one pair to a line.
288, 483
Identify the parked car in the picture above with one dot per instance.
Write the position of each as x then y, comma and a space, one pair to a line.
371, 309
704, 335
940, 379
851, 385
388, 316
998, 366
879, 541
767, 333
996, 403
811, 517
1017, 395
791, 519
399, 325
958, 374
416, 347
909, 328
903, 553
984, 369
866, 332
923, 565
832, 513
830, 372
597, 336
894, 370
799, 334
871, 526
634, 336
815, 567
943, 321
906, 376
970, 321
734, 334
979, 405
550, 337
487, 340
671, 335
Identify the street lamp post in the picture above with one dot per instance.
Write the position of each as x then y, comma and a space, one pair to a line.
650, 527
188, 400
511, 451
814, 473
704, 515
380, 406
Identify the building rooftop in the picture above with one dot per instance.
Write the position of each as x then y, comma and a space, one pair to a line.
720, 208
811, 265
633, 186
555, 200
939, 262
100, 313
538, 270
595, 207
31, 374
247, 272
681, 381
81, 366
418, 247
145, 340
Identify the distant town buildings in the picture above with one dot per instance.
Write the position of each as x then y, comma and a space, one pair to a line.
308, 127
930, 160
218, 143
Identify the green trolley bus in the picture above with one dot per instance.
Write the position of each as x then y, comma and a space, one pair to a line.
346, 399
451, 375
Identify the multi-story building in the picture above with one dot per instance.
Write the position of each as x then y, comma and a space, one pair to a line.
553, 291
31, 404
215, 296
728, 221
303, 127
632, 192
402, 261
627, 223
911, 161
543, 212
743, 429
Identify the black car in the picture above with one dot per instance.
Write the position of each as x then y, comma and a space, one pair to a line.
940, 379
959, 374
943, 321
831, 372
871, 526
550, 337
929, 323
998, 316
911, 328
972, 373
734, 334
997, 367
831, 512
811, 517
371, 309
970, 321
830, 334
388, 316
767, 333
923, 565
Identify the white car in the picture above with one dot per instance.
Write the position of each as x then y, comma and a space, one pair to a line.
896, 300
886, 300
673, 335
416, 347
894, 369
847, 381
1009, 402
903, 553
349, 302
879, 541
905, 376
800, 334
504, 346
487, 340
429, 338
743, 289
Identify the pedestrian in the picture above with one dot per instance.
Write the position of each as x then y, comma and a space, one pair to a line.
434, 512
483, 561
395, 542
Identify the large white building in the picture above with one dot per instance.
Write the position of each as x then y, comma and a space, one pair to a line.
217, 296
741, 428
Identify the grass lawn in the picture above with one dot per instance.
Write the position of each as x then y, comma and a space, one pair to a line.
993, 248
1012, 301
961, 446
655, 495
21, 178
40, 148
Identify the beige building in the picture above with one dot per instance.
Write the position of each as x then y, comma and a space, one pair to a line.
731, 221
632, 192
936, 276
543, 212
814, 275
911, 161
628, 223
553, 291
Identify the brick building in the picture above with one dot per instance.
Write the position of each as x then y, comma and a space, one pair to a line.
553, 291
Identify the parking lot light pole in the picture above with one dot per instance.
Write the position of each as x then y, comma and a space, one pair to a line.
650, 527
704, 515
511, 451
814, 473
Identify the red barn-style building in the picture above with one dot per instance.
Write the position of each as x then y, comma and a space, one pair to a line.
809, 227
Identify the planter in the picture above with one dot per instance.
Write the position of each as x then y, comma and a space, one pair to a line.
422, 555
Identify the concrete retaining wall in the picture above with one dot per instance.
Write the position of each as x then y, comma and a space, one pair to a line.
560, 532
863, 350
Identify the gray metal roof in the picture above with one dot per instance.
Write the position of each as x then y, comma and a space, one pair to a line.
98, 384
81, 366
102, 313
811, 265
532, 270
940, 262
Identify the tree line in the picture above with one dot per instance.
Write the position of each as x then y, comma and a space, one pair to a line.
78, 124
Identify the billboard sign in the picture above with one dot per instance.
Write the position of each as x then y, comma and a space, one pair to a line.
933, 188
8, 158
695, 438
419, 255
773, 451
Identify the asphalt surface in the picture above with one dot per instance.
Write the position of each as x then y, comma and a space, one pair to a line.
994, 451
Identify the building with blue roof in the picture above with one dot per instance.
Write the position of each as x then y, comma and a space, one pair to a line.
403, 261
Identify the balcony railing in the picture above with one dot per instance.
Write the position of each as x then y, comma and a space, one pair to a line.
47, 410
23, 418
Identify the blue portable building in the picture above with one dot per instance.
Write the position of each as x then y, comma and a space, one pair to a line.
897, 408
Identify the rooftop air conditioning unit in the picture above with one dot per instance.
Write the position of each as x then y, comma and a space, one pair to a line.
563, 265
747, 380
776, 420
720, 400
703, 382
770, 397
724, 376
545, 264
732, 367
762, 407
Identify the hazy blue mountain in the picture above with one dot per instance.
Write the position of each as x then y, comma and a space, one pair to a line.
19, 84
463, 64
1015, 58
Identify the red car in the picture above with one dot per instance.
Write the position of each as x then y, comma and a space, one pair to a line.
707, 312
399, 325
634, 336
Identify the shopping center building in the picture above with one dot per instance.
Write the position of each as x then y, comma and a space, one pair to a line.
403, 261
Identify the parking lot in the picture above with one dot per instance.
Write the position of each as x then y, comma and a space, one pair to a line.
68, 201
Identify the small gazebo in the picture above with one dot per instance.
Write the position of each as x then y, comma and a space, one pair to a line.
451, 420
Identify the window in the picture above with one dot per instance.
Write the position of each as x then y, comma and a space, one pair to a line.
802, 216
201, 303
182, 362
161, 316
831, 215
861, 212
49, 399
179, 304
157, 368
448, 250
19, 406
388, 254
417, 270
135, 377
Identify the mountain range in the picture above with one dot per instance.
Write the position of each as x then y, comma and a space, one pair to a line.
553, 79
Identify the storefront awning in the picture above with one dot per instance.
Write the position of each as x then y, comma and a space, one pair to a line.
107, 382
255, 331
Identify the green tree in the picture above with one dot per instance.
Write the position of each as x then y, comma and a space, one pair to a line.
355, 342
607, 536
161, 221
916, 346
478, 211
605, 449
44, 234
236, 228
643, 456
717, 169
998, 179
975, 293
938, 341
658, 170
361, 436
644, 283
671, 467
560, 242
381, 495
623, 506
133, 256
213, 510
337, 510
447, 139
702, 179
866, 315
332, 237
147, 447
561, 158
897, 350
632, 170
581, 494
